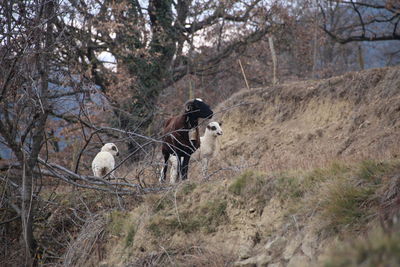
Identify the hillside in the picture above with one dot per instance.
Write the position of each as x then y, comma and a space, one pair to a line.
306, 124
304, 169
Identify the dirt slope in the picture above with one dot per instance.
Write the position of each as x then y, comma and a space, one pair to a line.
307, 123
290, 182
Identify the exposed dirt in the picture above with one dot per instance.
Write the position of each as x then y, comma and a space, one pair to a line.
307, 124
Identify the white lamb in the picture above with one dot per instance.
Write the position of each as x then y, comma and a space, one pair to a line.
206, 151
104, 161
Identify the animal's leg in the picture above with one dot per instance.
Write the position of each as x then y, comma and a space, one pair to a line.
174, 169
164, 169
204, 166
178, 168
184, 167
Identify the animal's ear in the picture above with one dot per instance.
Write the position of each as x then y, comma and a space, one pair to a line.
189, 105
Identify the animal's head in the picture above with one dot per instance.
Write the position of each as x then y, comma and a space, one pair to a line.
111, 148
198, 108
214, 128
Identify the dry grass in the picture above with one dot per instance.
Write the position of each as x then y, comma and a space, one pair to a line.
83, 249
185, 224
307, 125
297, 151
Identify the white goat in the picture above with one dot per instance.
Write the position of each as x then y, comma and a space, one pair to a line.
104, 161
206, 151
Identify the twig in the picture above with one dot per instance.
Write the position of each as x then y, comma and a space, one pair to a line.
295, 222
166, 252
10, 220
244, 74
176, 207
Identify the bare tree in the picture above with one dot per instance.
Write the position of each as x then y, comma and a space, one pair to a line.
34, 86
369, 20
154, 45
24, 95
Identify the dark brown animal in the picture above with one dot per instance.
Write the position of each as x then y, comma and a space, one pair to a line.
176, 138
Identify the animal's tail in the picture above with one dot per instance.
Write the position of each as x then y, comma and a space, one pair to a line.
103, 171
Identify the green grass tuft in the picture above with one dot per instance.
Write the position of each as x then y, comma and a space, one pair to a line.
237, 187
248, 183
116, 222
188, 188
378, 249
347, 204
207, 218
130, 235
289, 187
371, 171
165, 202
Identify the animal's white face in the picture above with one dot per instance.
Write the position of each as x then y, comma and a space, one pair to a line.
215, 128
111, 148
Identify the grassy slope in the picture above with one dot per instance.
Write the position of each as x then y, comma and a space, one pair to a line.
306, 166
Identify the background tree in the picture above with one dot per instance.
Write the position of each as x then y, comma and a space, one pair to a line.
372, 20
27, 41
35, 89
152, 44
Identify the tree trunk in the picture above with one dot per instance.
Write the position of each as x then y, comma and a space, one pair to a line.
26, 216
30, 159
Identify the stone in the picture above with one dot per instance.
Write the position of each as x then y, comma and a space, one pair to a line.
261, 260
309, 245
245, 251
103, 264
291, 248
250, 262
299, 261
276, 246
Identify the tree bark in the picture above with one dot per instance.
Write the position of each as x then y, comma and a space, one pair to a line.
30, 159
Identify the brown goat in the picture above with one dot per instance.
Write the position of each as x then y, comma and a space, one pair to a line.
177, 140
